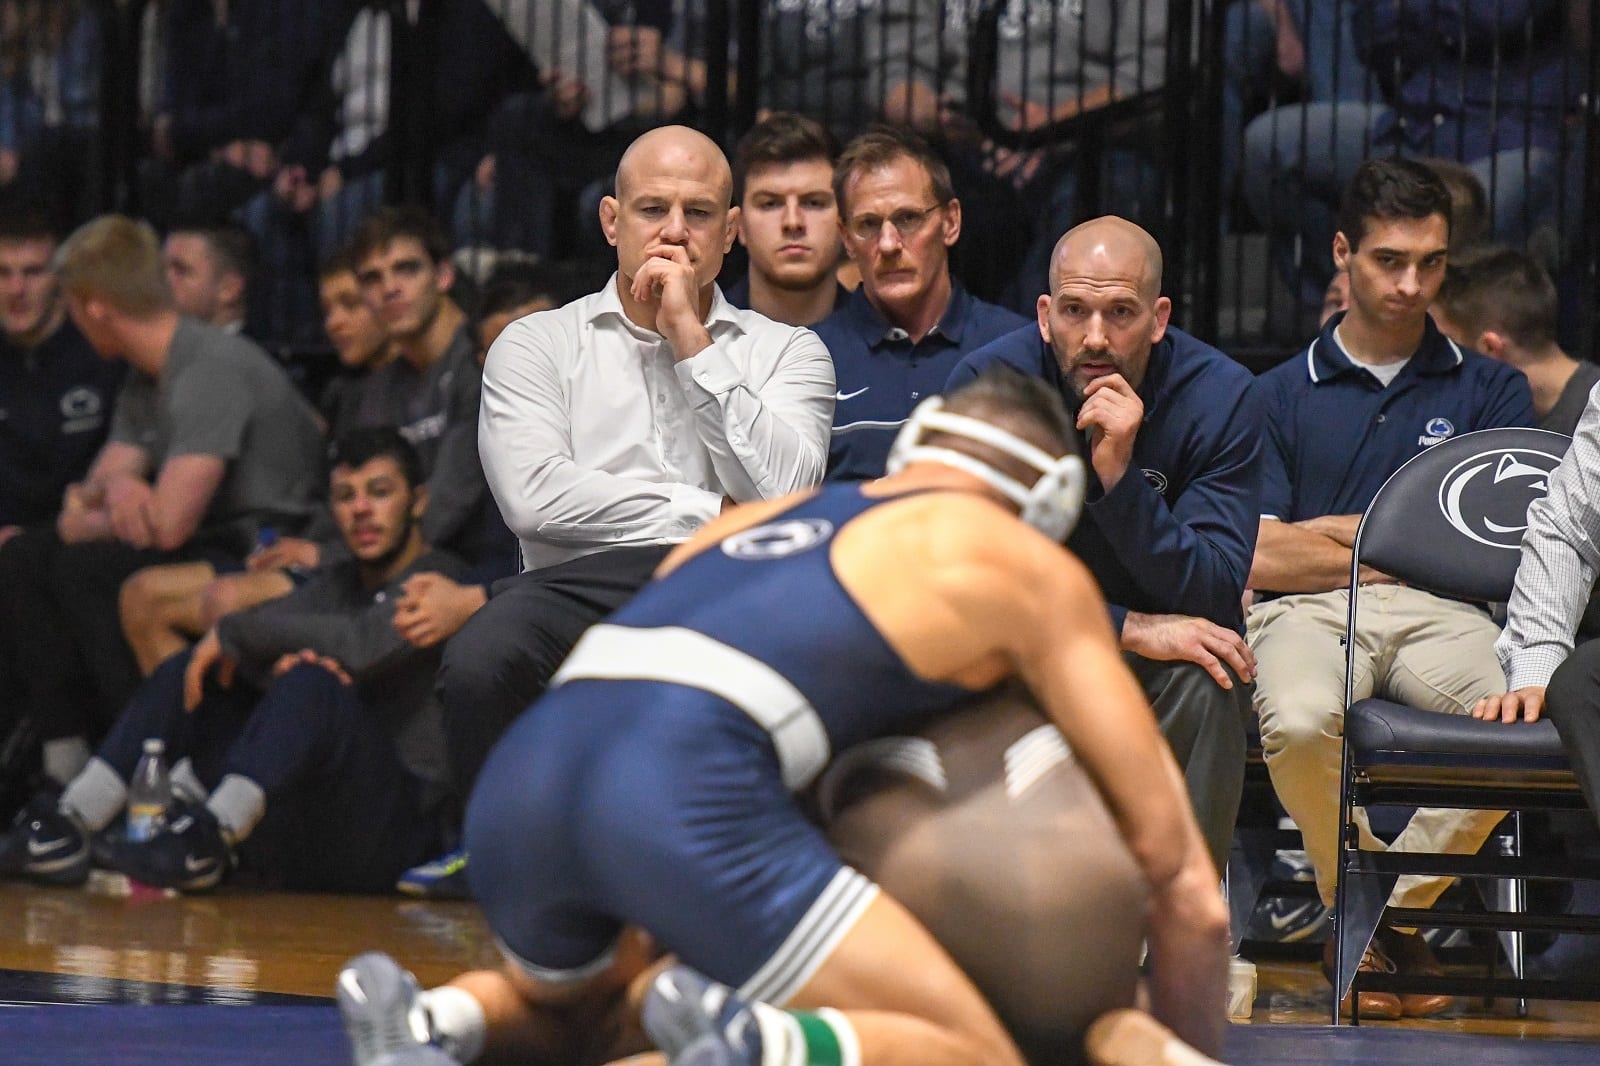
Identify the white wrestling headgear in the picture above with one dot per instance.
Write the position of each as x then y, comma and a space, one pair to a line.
1051, 505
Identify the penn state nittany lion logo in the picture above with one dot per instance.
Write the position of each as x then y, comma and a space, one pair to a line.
1437, 430
777, 539
1478, 505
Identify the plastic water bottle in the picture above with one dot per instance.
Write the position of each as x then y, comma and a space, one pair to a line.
149, 792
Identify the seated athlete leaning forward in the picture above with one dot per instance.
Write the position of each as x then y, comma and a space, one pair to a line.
653, 786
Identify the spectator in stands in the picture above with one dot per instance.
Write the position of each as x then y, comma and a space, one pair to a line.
1335, 298
56, 393
1379, 385
1081, 69
546, 163
367, 107
1173, 502
306, 730
846, 65
513, 291
896, 339
50, 63
209, 442
1470, 224
209, 270
615, 426
1501, 302
359, 338
231, 77
788, 221
1489, 84
1267, 44
429, 390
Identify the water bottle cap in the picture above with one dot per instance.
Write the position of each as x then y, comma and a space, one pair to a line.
266, 536
154, 746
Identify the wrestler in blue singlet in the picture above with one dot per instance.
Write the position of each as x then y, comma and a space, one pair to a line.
652, 785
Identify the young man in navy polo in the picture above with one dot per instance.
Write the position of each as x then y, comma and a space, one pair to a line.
1377, 387
1174, 443
901, 333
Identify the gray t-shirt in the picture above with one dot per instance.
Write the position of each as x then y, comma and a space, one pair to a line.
221, 395
1563, 417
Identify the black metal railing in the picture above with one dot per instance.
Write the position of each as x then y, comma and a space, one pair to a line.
1228, 145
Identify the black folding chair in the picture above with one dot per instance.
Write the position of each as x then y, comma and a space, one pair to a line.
1450, 521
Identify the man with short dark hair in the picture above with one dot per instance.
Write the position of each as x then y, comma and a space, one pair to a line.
1377, 387
304, 731
1174, 440
56, 394
783, 182
209, 269
897, 338
1501, 302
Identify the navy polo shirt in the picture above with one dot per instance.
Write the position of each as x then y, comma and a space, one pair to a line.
1180, 538
55, 410
738, 294
881, 376
1335, 433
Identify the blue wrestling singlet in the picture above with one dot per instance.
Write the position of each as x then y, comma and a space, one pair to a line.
652, 784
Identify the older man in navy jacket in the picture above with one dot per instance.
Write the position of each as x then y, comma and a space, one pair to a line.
1173, 438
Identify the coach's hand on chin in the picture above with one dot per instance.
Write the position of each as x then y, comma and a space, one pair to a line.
1168, 637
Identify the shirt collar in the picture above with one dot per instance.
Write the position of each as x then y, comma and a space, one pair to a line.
877, 330
1325, 360
609, 303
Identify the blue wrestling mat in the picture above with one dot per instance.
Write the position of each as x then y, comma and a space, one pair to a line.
310, 1036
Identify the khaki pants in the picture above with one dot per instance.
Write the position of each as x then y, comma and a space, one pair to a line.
1412, 647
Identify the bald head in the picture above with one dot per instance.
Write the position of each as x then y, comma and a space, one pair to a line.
680, 152
1108, 246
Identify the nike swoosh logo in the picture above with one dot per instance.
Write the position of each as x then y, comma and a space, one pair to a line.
1283, 922
37, 848
190, 864
842, 396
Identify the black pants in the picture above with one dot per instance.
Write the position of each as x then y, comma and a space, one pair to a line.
1572, 701
1205, 726
343, 814
61, 630
507, 652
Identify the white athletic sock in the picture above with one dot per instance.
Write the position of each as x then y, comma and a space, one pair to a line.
65, 758
95, 795
458, 1021
238, 804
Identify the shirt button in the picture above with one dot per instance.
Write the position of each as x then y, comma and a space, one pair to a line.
1382, 417
1438, 120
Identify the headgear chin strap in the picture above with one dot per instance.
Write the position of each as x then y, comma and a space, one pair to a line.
1053, 502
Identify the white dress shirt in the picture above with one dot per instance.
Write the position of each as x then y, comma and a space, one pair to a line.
593, 437
1560, 556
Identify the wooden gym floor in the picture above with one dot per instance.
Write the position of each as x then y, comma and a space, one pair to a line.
279, 953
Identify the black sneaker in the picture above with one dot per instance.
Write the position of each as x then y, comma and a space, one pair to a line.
189, 853
45, 845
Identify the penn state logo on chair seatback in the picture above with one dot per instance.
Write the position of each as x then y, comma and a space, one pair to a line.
777, 539
1486, 497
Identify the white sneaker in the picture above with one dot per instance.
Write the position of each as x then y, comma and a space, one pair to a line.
382, 1018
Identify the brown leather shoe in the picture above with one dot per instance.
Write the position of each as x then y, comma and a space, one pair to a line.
1411, 954
1382, 1006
